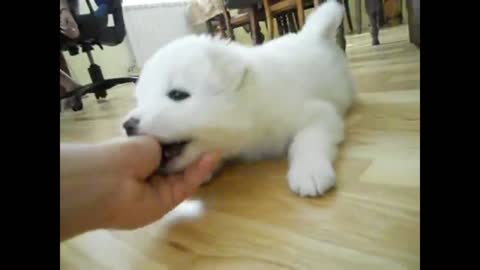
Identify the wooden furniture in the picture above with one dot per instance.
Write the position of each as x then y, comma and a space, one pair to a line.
290, 17
287, 23
281, 7
216, 26
392, 12
248, 17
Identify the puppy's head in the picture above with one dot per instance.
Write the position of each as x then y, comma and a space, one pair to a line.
189, 98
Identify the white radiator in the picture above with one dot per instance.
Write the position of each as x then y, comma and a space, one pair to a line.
150, 24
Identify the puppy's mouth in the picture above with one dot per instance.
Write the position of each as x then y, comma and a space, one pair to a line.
171, 150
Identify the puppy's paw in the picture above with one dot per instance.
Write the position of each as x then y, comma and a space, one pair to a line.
311, 178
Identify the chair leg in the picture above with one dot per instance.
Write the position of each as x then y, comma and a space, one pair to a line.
280, 25
268, 18
210, 27
291, 24
295, 17
300, 14
279, 28
270, 27
254, 26
226, 23
225, 30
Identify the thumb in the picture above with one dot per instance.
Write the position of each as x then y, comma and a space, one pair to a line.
140, 154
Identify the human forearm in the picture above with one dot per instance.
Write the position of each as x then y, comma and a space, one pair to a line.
81, 203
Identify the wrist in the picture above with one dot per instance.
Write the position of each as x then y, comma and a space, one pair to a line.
85, 192
82, 207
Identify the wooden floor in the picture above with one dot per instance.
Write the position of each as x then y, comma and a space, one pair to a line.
251, 219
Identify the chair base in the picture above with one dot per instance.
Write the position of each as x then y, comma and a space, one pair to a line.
98, 88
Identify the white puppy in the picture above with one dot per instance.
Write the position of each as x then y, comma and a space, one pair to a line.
199, 94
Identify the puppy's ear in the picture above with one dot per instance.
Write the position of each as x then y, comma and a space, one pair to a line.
228, 68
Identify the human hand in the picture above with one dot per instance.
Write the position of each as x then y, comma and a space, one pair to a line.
68, 26
109, 186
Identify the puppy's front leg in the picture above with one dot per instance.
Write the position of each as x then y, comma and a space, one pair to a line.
313, 151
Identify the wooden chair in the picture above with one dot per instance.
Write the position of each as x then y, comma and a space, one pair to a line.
247, 19
275, 8
287, 23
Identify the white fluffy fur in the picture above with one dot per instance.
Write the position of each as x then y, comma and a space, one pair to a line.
287, 95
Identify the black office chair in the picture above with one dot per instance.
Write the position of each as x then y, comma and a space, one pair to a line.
94, 30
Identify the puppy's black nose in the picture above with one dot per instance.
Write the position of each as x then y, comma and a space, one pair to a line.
131, 126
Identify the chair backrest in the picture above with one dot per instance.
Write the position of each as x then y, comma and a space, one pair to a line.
113, 35
94, 27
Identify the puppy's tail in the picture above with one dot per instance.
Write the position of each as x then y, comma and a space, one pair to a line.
324, 21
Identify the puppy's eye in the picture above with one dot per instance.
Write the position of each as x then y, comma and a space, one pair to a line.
178, 95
